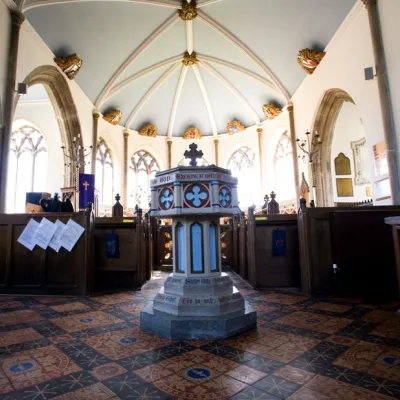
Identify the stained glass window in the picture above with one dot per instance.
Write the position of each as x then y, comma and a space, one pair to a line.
104, 175
142, 169
242, 165
283, 169
27, 168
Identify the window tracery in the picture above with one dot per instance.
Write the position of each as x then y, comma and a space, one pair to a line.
104, 175
142, 169
27, 167
284, 170
242, 165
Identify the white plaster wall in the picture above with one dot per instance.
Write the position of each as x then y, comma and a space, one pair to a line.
42, 115
349, 52
389, 11
5, 23
348, 129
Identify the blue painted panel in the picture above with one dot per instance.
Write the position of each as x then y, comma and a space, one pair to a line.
213, 249
197, 251
181, 249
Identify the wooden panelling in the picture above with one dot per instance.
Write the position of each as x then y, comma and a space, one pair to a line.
43, 271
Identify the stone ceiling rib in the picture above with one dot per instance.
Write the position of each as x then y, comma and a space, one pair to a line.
233, 39
203, 57
225, 82
189, 36
141, 74
206, 3
177, 96
149, 93
42, 3
206, 100
147, 43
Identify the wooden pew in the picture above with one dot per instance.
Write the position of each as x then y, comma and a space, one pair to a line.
45, 272
357, 241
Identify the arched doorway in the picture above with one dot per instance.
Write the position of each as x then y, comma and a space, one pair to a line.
324, 126
58, 91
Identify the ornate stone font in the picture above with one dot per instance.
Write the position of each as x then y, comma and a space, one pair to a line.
70, 65
198, 300
149, 130
113, 117
188, 11
190, 59
192, 133
310, 59
234, 127
271, 111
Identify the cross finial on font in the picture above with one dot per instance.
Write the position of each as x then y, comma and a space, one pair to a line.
193, 154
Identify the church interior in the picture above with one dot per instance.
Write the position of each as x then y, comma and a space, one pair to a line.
199, 199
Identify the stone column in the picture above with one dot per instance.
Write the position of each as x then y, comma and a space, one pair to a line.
260, 154
294, 149
125, 173
17, 19
95, 134
169, 143
385, 99
216, 143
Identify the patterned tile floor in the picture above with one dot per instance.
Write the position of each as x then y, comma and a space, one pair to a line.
93, 348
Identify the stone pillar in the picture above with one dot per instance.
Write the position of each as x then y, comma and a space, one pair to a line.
169, 143
251, 248
294, 149
216, 143
260, 154
125, 173
95, 134
385, 99
17, 19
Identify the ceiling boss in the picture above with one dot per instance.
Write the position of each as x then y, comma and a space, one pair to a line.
188, 11
190, 59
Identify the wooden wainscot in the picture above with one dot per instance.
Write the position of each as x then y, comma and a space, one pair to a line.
120, 252
357, 241
45, 272
273, 250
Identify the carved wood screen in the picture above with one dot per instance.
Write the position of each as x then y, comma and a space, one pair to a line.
165, 256
226, 245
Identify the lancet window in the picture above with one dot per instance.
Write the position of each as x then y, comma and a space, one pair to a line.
27, 168
242, 165
104, 174
283, 169
142, 169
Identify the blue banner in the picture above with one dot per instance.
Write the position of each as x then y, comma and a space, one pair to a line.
112, 245
278, 242
86, 190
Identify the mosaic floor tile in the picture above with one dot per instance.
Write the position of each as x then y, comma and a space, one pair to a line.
295, 375
88, 320
31, 367
70, 307
336, 308
314, 322
98, 351
19, 317
323, 388
19, 336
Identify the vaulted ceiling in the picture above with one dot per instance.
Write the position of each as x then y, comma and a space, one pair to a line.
132, 53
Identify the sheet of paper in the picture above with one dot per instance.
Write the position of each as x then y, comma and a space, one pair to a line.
44, 233
71, 234
27, 237
55, 242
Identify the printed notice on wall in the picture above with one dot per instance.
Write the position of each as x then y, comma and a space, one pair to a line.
55, 242
71, 234
44, 233
27, 237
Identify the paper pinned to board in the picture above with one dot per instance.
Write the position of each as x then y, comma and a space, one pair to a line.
71, 234
27, 237
44, 233
55, 242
